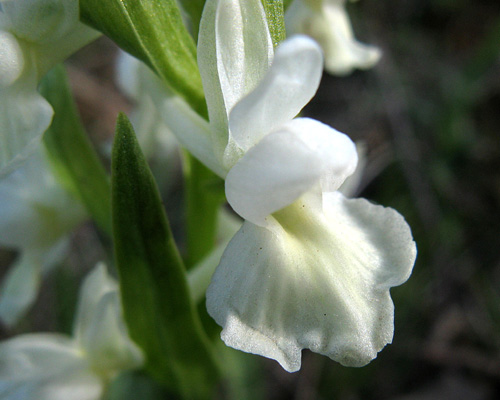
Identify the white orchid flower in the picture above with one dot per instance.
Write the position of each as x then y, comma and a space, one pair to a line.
35, 35
36, 215
309, 268
58, 367
328, 23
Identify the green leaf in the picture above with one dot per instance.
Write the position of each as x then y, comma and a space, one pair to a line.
157, 304
71, 154
275, 20
204, 196
133, 385
154, 32
194, 9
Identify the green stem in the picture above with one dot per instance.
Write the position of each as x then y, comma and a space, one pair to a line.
200, 275
204, 196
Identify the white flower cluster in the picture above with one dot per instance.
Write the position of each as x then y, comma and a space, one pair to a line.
35, 35
36, 213
36, 216
57, 367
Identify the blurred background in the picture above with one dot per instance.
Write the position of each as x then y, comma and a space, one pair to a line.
429, 117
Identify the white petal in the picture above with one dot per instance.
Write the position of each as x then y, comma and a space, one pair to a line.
19, 288
343, 52
244, 47
11, 59
288, 86
207, 63
24, 117
329, 24
45, 367
234, 53
351, 185
36, 214
99, 326
157, 140
192, 131
35, 211
286, 164
322, 283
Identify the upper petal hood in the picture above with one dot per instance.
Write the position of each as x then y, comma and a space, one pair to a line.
234, 52
321, 283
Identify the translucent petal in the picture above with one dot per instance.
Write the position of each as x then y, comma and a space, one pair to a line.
45, 367
234, 53
321, 283
99, 326
288, 86
286, 164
